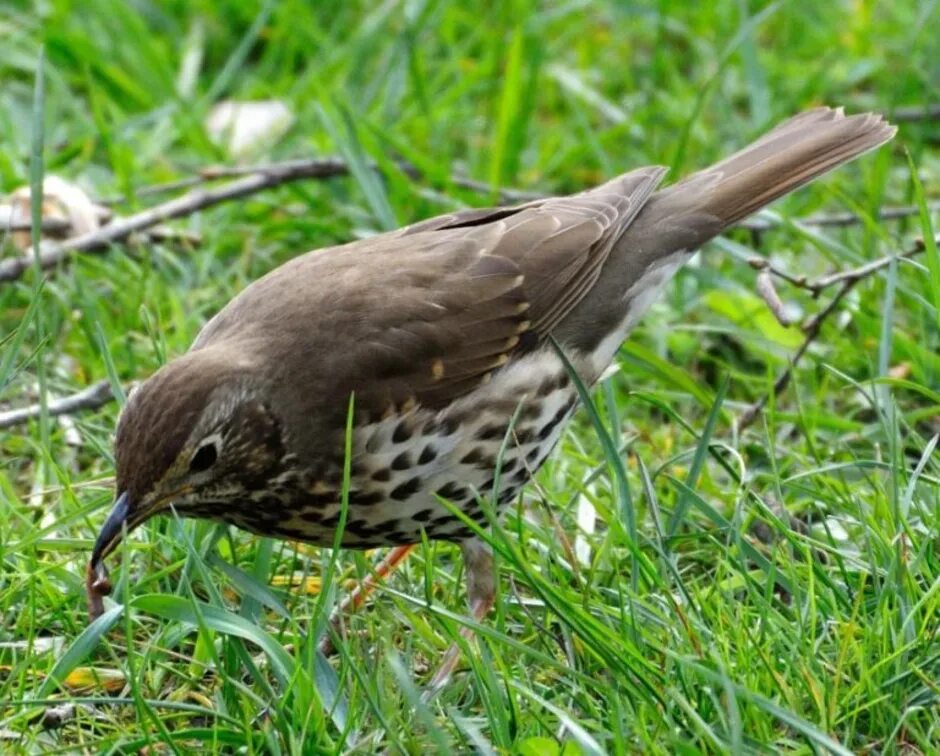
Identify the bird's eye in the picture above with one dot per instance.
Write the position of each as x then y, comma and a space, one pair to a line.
204, 458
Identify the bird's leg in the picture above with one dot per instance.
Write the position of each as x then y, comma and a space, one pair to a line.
358, 595
384, 568
481, 594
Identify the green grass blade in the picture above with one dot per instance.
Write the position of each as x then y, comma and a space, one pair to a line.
698, 461
615, 462
218, 619
80, 649
930, 239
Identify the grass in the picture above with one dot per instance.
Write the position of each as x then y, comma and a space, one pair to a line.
699, 620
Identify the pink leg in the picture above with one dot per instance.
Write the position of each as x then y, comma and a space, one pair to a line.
358, 595
481, 594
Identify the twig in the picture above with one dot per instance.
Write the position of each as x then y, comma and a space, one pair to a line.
312, 168
892, 212
170, 235
51, 254
846, 281
762, 263
910, 113
92, 397
336, 167
53, 226
49, 226
821, 284
867, 269
812, 328
765, 287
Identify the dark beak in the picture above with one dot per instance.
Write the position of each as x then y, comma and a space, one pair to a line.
113, 529
97, 584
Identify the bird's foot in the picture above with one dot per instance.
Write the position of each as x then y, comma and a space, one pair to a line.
481, 594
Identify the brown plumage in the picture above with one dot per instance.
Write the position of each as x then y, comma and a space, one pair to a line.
440, 333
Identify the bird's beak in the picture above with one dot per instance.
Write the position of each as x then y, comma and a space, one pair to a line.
113, 529
123, 519
97, 584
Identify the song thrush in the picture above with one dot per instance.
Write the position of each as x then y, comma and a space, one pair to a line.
440, 333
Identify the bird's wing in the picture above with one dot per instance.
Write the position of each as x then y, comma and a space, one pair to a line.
429, 312
559, 244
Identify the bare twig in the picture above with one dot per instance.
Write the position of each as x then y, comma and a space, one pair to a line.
928, 112
327, 167
58, 226
92, 397
49, 226
340, 168
812, 328
337, 167
765, 287
51, 254
821, 284
846, 281
867, 269
506, 195
170, 235
819, 220
762, 263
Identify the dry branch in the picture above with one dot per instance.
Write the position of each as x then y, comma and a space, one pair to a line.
765, 287
836, 220
317, 168
49, 226
928, 112
821, 284
846, 281
251, 181
509, 195
338, 167
92, 397
51, 254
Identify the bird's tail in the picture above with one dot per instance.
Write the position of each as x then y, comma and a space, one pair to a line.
679, 219
797, 151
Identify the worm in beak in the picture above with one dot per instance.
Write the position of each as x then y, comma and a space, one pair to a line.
97, 583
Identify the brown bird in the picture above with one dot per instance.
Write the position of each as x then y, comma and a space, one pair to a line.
440, 334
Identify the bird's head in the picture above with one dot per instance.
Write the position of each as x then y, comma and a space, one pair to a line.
197, 431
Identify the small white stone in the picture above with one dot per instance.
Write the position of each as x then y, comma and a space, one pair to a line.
247, 127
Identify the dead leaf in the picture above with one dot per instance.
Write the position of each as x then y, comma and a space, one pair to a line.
307, 584
64, 204
84, 679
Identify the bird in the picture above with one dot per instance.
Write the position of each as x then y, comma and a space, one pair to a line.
431, 352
